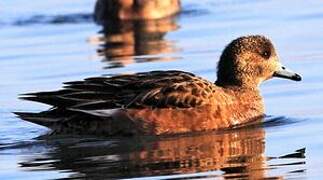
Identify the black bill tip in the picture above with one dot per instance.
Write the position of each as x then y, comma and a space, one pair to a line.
296, 77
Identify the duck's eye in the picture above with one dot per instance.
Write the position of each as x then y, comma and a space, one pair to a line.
266, 54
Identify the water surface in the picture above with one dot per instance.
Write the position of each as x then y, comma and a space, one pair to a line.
46, 43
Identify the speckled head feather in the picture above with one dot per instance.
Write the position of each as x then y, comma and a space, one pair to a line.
247, 61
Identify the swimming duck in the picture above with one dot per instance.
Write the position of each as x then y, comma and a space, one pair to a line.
167, 102
107, 10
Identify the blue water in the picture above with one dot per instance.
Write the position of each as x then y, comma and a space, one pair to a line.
46, 43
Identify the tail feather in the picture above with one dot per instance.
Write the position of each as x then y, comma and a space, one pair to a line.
39, 118
56, 101
49, 93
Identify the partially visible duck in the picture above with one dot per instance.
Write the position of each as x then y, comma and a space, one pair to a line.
107, 10
167, 102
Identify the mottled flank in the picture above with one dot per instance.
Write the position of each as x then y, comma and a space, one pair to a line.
166, 102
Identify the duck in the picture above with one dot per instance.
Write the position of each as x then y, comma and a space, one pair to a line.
166, 102
128, 10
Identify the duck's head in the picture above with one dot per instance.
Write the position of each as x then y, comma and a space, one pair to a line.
249, 60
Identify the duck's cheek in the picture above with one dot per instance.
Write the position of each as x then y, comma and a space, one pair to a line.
263, 73
259, 71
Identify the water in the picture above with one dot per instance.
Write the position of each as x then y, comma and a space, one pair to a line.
46, 43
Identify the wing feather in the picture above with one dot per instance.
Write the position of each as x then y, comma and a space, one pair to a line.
162, 89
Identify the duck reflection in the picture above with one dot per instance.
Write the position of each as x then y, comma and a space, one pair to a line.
124, 39
233, 154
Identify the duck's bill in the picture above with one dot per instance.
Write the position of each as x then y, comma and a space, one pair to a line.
287, 74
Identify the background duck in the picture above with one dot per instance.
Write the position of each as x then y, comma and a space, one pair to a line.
135, 9
166, 102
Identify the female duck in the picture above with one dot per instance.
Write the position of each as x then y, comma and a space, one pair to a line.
166, 102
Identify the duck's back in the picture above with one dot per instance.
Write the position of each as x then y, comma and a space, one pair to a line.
156, 89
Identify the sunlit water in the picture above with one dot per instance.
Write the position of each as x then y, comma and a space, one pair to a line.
46, 43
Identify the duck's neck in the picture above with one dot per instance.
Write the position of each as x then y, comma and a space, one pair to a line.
246, 103
242, 90
238, 85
